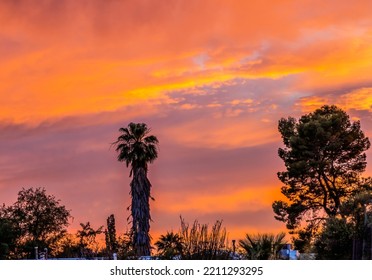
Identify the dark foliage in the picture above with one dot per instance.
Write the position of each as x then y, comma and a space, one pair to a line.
335, 242
324, 155
36, 219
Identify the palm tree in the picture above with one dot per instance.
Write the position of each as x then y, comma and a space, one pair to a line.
262, 246
136, 148
169, 245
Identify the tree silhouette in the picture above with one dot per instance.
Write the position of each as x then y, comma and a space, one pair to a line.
38, 219
324, 155
136, 148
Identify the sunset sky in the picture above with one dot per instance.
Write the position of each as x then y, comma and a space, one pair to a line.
211, 79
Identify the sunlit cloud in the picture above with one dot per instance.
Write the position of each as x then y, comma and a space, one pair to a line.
246, 198
311, 103
359, 99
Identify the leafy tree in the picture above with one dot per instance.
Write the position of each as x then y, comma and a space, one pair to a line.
262, 246
38, 218
200, 243
137, 148
324, 155
169, 245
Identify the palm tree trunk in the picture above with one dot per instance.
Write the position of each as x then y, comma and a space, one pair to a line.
140, 209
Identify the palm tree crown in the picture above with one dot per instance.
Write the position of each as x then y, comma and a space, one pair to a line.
136, 147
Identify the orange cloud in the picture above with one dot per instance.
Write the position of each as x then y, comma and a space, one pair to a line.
358, 99
225, 132
311, 103
103, 59
244, 198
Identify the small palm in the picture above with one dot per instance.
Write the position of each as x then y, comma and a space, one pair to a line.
262, 246
169, 245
